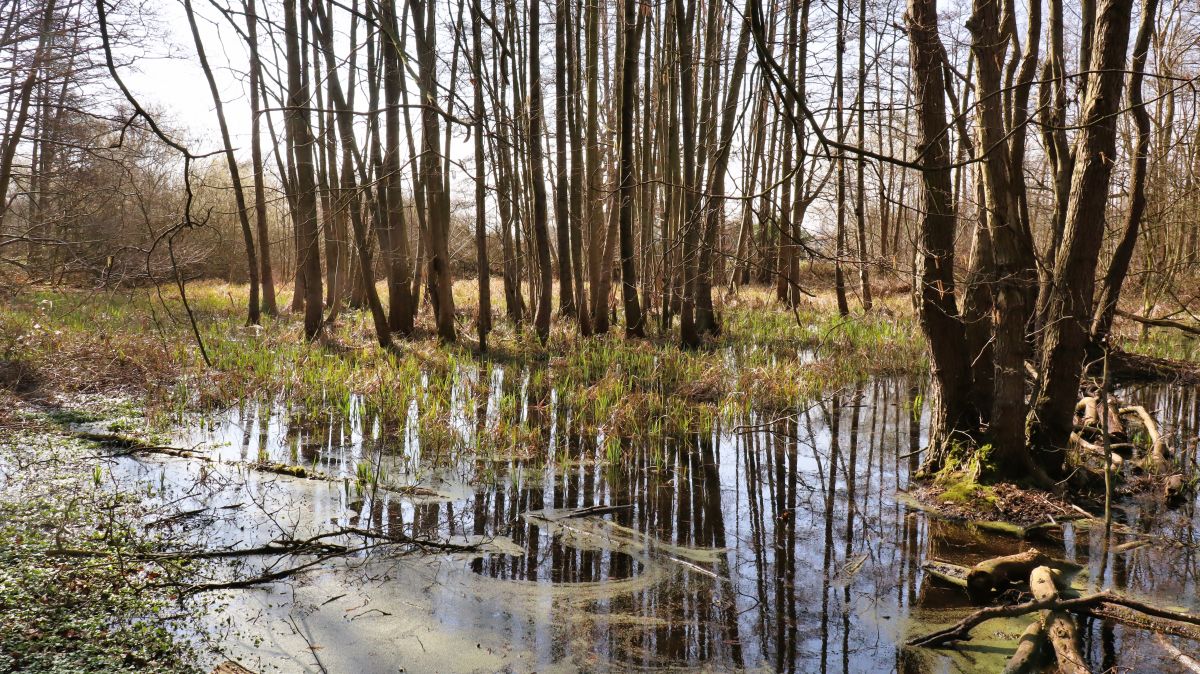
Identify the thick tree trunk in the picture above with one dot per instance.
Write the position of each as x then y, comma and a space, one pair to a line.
937, 310
1070, 309
1012, 254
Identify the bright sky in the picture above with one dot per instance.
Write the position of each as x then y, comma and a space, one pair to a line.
169, 77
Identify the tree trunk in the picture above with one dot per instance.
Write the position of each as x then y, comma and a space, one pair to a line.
483, 321
1118, 267
937, 309
1070, 308
541, 234
308, 234
633, 311
562, 198
437, 200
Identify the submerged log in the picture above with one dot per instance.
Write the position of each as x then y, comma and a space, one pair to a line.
1060, 625
1187, 661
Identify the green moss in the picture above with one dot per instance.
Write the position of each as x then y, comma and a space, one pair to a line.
963, 475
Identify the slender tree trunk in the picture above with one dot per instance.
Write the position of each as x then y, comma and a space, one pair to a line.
483, 322
401, 308
860, 214
595, 196
633, 312
234, 174
348, 198
562, 194
308, 234
1118, 267
266, 273
839, 84
577, 170
437, 200
541, 321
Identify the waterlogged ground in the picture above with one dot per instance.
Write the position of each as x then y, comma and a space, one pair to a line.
773, 543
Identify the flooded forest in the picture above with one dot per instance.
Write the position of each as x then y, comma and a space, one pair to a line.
599, 336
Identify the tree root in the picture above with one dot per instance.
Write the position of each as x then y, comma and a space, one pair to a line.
1160, 455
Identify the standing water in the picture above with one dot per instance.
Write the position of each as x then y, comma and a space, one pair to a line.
777, 543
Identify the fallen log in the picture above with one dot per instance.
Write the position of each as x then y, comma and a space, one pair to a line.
962, 629
1027, 658
956, 575
1060, 625
990, 577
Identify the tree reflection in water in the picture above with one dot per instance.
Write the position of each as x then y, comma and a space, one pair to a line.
774, 542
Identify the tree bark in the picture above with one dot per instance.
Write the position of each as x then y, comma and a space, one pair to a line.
1070, 307
308, 235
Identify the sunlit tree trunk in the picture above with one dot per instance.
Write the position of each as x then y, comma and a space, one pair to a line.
1070, 309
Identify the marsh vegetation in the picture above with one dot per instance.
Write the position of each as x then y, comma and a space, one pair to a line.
566, 336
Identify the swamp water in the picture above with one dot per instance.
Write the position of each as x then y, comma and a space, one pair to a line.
776, 544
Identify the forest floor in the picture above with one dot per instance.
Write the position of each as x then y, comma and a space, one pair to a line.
73, 584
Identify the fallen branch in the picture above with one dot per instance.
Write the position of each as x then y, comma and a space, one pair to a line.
1160, 322
962, 629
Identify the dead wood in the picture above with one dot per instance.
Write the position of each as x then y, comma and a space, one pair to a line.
990, 577
1159, 453
1160, 322
1187, 661
595, 510
962, 629
1060, 625
1028, 656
